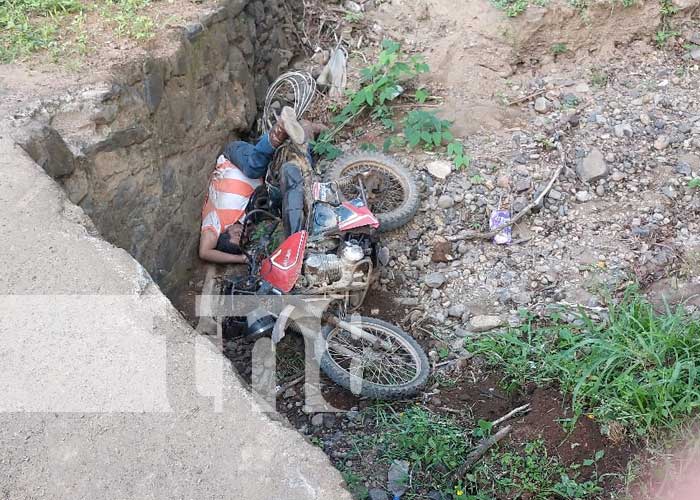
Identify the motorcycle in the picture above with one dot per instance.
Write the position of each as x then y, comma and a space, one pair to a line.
331, 250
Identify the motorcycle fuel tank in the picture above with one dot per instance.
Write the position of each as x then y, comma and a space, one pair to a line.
283, 267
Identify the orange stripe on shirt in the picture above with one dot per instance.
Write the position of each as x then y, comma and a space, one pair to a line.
233, 186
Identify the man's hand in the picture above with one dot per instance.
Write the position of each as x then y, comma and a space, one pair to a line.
208, 251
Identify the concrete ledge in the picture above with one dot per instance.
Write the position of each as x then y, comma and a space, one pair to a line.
107, 393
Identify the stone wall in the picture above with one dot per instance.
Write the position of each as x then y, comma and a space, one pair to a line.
136, 153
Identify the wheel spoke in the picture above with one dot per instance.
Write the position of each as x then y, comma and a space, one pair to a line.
390, 367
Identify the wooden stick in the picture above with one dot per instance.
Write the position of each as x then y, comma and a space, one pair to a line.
473, 235
283, 388
478, 452
519, 409
527, 97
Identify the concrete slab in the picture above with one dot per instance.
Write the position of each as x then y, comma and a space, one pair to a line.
105, 390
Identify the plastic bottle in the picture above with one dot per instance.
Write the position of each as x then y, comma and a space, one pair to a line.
398, 478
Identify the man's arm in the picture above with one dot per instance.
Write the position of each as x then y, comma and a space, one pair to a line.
208, 251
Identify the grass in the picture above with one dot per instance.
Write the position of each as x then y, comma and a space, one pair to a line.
640, 369
436, 446
533, 473
598, 77
59, 26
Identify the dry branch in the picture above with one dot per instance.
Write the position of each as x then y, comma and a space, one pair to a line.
283, 388
520, 409
478, 452
473, 235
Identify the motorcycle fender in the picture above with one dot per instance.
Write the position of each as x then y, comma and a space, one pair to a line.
280, 327
354, 214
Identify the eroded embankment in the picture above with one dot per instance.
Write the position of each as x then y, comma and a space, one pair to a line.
135, 153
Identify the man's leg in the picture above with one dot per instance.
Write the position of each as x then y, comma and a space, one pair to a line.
292, 186
253, 160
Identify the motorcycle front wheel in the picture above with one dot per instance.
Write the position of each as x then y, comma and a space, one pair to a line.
393, 367
392, 193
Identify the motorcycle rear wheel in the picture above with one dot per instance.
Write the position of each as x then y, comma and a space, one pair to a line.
377, 373
393, 197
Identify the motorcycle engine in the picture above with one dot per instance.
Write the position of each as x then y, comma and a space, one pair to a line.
328, 268
322, 268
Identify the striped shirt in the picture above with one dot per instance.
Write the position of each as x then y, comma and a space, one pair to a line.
227, 199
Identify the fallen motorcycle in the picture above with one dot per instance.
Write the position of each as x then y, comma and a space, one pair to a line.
331, 250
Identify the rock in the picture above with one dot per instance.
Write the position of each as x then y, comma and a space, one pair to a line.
456, 311
434, 280
384, 256
522, 184
440, 169
554, 194
582, 88
329, 420
691, 160
441, 251
623, 130
583, 196
352, 6
662, 142
457, 345
46, 147
541, 105
461, 332
483, 323
592, 167
519, 204
503, 181
600, 190
669, 192
445, 201
617, 176
289, 393
645, 119
317, 420
153, 84
695, 54
377, 494
522, 298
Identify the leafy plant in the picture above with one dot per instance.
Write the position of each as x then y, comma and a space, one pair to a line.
512, 8
483, 429
535, 472
694, 183
663, 35
381, 82
323, 146
434, 445
426, 129
598, 77
639, 369
559, 48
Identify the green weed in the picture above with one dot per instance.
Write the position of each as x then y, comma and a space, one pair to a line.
598, 77
382, 83
694, 183
663, 35
640, 368
559, 49
512, 8
535, 473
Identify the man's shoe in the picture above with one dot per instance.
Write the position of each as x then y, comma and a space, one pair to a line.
292, 126
287, 126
